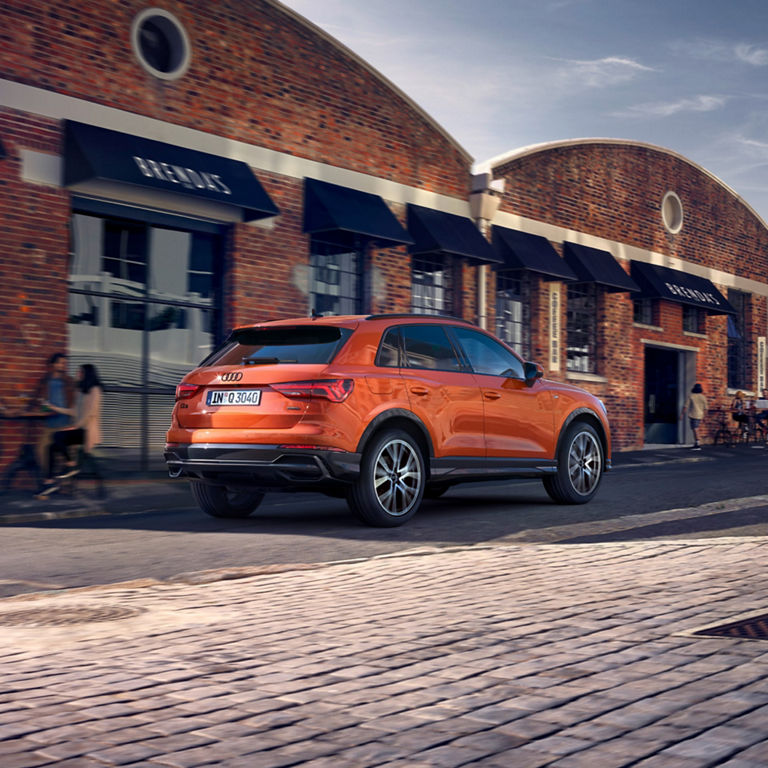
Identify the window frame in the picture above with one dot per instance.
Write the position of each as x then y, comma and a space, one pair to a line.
524, 324
143, 390
175, 36
700, 319
463, 366
448, 291
589, 293
649, 307
737, 354
455, 331
319, 248
399, 346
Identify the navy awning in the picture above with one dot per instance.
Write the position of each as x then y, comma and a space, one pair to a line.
521, 250
347, 217
446, 233
593, 265
99, 155
672, 285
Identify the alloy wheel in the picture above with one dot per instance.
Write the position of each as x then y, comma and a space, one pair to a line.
397, 477
584, 463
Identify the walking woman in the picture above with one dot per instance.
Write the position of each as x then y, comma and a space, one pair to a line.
88, 407
696, 406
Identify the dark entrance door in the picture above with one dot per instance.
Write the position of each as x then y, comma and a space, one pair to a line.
662, 389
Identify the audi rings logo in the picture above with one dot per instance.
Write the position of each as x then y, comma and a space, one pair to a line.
232, 376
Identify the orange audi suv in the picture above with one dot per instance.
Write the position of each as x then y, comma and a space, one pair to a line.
381, 410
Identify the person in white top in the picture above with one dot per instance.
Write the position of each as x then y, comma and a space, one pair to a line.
696, 406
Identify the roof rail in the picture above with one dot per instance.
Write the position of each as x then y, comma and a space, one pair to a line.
395, 315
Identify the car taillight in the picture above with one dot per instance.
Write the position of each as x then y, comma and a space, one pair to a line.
335, 390
185, 391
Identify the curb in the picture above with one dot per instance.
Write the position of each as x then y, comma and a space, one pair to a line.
212, 576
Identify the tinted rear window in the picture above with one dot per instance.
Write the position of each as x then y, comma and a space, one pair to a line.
427, 346
305, 345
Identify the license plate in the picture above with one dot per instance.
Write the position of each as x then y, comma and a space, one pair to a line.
233, 397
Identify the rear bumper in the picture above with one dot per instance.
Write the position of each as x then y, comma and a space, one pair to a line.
265, 466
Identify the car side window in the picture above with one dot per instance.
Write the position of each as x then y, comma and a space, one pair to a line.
428, 346
487, 356
389, 349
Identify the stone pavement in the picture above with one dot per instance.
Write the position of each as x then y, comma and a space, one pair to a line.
513, 656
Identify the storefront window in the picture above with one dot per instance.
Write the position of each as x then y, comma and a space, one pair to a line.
738, 340
431, 285
142, 307
581, 348
513, 310
336, 280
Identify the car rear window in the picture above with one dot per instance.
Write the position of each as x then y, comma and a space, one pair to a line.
271, 346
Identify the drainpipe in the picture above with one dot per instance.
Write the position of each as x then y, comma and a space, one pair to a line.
482, 310
484, 201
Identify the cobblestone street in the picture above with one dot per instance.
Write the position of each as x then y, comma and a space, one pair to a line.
495, 656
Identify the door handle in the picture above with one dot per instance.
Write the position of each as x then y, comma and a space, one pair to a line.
419, 390
491, 395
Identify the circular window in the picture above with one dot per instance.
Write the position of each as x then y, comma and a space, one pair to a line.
160, 43
672, 212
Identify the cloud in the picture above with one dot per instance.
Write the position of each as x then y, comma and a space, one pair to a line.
759, 148
700, 103
599, 73
757, 57
721, 51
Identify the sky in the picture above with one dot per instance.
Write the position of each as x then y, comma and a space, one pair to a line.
497, 75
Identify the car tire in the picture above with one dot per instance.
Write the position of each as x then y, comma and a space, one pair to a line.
391, 483
580, 464
219, 501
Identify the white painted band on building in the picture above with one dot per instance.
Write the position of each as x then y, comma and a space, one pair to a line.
38, 101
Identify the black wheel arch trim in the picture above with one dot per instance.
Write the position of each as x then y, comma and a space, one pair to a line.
594, 421
393, 414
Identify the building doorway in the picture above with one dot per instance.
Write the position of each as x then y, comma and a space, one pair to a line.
669, 375
662, 395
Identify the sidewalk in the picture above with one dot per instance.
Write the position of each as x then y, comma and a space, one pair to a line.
123, 496
502, 656
133, 493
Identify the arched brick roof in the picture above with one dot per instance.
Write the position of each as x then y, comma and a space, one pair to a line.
498, 165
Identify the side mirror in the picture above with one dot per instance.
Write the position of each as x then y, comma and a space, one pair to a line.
532, 371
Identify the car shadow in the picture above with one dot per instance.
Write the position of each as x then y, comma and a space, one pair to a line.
496, 504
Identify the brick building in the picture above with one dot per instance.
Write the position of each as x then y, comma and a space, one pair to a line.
170, 171
668, 281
